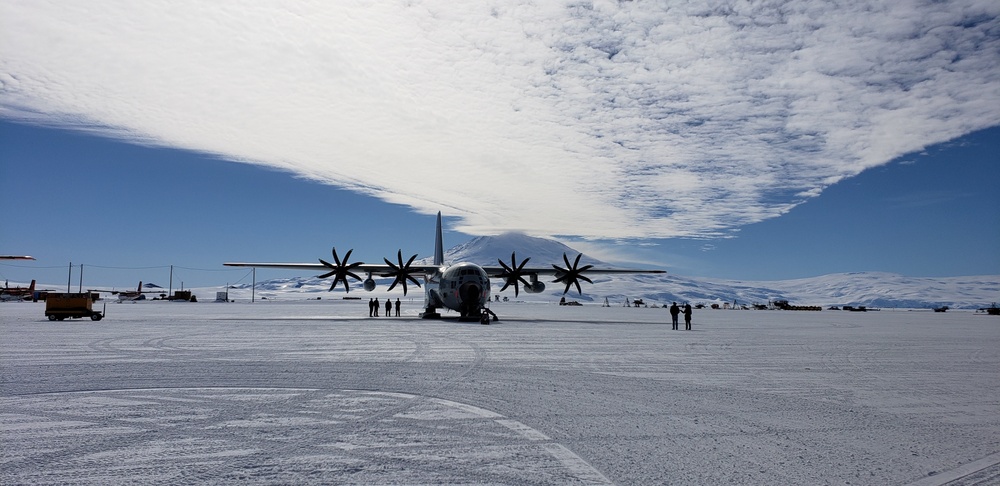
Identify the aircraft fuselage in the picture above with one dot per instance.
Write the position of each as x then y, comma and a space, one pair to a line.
462, 287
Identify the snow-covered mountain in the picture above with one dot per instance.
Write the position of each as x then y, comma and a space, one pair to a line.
485, 250
872, 289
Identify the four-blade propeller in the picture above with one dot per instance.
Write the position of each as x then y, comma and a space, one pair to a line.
341, 270
401, 272
513, 274
572, 275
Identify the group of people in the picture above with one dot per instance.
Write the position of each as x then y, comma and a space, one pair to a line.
675, 312
374, 306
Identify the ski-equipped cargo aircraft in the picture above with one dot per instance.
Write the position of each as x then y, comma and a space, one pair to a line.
462, 287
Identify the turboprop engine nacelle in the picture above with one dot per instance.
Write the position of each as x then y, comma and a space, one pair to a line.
369, 284
535, 287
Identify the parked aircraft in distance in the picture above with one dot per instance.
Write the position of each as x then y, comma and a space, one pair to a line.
132, 295
463, 287
17, 293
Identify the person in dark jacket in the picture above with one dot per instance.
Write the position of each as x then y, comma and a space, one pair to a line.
371, 307
397, 307
687, 317
377, 307
674, 312
388, 307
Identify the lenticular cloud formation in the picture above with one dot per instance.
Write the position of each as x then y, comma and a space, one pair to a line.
624, 119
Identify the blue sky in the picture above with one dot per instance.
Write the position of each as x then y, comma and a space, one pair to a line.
753, 141
128, 212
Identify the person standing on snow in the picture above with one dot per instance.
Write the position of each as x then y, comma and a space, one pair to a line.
674, 312
687, 317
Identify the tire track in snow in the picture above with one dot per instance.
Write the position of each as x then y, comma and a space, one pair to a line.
178, 435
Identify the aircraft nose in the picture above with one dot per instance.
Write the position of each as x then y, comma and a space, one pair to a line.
469, 292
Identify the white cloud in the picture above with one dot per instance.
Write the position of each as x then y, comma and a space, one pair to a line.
621, 119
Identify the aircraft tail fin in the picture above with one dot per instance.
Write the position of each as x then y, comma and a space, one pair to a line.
139, 288
439, 244
31, 288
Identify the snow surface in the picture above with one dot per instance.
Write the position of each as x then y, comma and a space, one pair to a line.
295, 392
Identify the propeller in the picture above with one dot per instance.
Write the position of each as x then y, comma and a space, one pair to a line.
341, 270
513, 273
571, 274
400, 272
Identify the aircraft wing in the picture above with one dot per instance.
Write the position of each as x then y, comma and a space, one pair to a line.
373, 268
514, 271
341, 270
380, 269
569, 275
498, 272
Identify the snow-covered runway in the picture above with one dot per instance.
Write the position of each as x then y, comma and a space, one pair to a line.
309, 392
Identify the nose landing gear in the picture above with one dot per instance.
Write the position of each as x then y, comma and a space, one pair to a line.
485, 315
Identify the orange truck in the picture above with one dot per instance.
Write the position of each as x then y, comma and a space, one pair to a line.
59, 306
